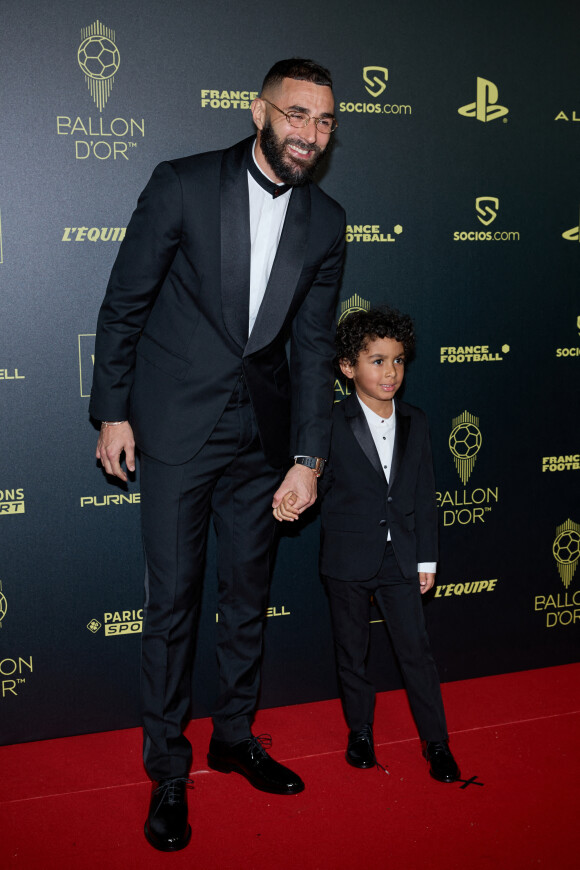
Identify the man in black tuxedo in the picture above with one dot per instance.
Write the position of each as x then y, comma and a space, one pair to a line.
227, 256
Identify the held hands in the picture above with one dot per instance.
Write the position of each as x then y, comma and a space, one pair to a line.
426, 581
113, 441
286, 509
296, 493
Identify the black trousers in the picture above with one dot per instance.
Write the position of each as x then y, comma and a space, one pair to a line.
399, 601
230, 479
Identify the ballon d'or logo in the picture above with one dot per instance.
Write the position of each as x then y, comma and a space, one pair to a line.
464, 443
99, 59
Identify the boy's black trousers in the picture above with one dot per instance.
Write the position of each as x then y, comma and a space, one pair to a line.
399, 601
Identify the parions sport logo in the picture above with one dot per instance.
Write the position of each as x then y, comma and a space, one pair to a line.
99, 138
486, 211
12, 502
376, 82
118, 623
467, 506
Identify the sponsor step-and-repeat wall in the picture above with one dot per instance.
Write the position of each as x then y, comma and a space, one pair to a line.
456, 159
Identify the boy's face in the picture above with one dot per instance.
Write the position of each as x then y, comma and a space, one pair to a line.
377, 374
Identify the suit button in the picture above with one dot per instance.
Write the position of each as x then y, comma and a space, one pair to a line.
389, 499
382, 522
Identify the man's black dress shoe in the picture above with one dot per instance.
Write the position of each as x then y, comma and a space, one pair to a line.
442, 765
167, 828
249, 758
360, 751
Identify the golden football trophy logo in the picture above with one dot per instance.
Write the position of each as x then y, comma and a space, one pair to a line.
566, 550
464, 443
99, 59
3, 605
355, 303
375, 84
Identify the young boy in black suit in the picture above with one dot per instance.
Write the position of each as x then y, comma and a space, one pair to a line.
379, 532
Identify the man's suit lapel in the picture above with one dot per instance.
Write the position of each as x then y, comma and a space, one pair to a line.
401, 437
357, 421
285, 272
235, 241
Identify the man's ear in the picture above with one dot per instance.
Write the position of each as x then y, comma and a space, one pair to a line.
258, 109
346, 368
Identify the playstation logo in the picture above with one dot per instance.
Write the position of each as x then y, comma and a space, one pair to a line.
484, 108
572, 235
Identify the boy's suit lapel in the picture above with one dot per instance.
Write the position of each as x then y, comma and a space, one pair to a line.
403, 425
357, 421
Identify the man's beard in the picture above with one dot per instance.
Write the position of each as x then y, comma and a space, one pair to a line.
288, 171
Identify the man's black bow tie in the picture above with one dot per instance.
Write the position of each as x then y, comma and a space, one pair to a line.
264, 182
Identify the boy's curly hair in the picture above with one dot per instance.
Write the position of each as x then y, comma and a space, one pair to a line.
357, 329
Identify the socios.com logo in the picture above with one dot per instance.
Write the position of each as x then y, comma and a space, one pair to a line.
485, 107
486, 208
375, 78
99, 59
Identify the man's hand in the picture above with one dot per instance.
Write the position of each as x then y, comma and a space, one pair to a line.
301, 482
426, 581
113, 440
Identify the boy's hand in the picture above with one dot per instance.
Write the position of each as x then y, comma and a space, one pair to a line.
286, 510
426, 581
300, 481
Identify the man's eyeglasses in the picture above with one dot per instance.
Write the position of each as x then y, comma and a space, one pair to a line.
301, 119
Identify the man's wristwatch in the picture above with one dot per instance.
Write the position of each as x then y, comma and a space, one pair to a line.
313, 462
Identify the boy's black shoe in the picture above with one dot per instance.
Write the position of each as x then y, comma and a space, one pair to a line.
249, 758
167, 828
442, 765
360, 751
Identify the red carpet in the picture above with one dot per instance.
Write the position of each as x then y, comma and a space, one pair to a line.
81, 802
